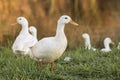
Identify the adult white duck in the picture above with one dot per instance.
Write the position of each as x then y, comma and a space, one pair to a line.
33, 31
107, 42
24, 40
48, 49
87, 41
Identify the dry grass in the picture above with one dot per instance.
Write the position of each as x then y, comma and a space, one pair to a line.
99, 18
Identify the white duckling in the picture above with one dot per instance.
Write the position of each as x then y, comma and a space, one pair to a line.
24, 40
48, 49
107, 42
33, 31
118, 47
87, 42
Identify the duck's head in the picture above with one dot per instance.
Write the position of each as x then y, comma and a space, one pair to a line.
32, 29
22, 20
108, 40
66, 19
85, 35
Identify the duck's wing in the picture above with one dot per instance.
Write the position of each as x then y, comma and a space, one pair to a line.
23, 42
30, 41
18, 43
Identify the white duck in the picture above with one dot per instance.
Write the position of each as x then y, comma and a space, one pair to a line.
33, 31
87, 42
118, 47
24, 40
48, 49
107, 42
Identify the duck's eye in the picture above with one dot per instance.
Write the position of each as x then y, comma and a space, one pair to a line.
66, 18
20, 19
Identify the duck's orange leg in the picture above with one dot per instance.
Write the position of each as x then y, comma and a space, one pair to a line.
52, 65
41, 63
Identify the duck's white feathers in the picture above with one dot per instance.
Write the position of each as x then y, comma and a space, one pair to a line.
23, 42
49, 48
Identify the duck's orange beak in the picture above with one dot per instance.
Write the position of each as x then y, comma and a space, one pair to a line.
74, 23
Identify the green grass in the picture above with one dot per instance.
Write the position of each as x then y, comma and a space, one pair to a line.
85, 65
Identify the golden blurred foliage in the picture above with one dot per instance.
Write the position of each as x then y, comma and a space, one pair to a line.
99, 18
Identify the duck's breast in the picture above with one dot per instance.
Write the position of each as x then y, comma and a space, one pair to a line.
49, 48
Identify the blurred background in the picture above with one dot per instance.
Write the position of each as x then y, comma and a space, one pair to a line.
98, 18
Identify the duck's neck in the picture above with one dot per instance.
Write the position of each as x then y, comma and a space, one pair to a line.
87, 43
24, 29
35, 34
60, 31
107, 46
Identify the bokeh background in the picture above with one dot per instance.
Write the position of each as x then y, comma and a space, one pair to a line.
99, 18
